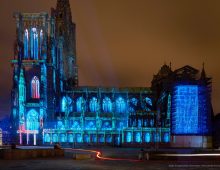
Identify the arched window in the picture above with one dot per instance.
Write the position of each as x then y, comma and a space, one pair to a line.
78, 138
41, 42
63, 104
107, 105
86, 138
166, 137
80, 104
55, 138
138, 137
93, 104
70, 138
32, 121
148, 104
60, 125
66, 104
101, 138
26, 44
128, 137
133, 105
34, 44
35, 88
62, 138
120, 105
47, 138
147, 137
108, 138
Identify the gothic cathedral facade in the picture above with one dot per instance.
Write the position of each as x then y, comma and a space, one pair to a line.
48, 105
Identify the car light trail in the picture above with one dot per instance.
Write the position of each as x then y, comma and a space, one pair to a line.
98, 155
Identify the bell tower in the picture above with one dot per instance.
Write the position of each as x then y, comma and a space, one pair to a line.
34, 75
66, 37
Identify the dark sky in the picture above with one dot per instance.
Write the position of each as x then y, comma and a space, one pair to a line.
125, 42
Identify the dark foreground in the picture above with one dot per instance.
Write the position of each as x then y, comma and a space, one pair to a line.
68, 164
115, 162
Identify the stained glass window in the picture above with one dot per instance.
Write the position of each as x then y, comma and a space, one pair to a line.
34, 43
35, 88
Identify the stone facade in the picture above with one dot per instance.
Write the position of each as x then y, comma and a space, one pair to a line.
49, 106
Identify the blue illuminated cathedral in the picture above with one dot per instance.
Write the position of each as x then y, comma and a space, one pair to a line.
48, 105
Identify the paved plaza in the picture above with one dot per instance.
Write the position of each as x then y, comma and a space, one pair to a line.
130, 156
68, 164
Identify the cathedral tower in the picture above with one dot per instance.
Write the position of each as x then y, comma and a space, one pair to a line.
34, 75
65, 33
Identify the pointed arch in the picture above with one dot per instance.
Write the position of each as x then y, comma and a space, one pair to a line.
47, 138
26, 41
80, 104
41, 42
34, 43
32, 122
120, 105
63, 104
93, 104
35, 88
107, 105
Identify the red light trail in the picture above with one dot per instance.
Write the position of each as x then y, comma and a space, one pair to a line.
99, 155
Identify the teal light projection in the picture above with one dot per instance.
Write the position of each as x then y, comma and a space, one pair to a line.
185, 115
120, 105
26, 44
47, 138
147, 137
80, 102
34, 44
93, 104
148, 104
107, 105
32, 120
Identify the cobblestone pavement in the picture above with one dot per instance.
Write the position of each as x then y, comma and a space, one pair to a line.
69, 164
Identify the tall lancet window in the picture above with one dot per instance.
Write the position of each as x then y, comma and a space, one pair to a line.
93, 104
120, 105
35, 88
26, 44
107, 105
34, 44
41, 42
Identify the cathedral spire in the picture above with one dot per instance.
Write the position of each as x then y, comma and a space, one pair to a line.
203, 74
64, 10
65, 32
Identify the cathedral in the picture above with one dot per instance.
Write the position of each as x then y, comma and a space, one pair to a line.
49, 106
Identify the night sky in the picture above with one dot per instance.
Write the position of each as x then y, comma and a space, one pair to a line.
125, 42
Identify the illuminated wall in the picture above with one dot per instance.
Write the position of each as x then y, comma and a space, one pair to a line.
185, 110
